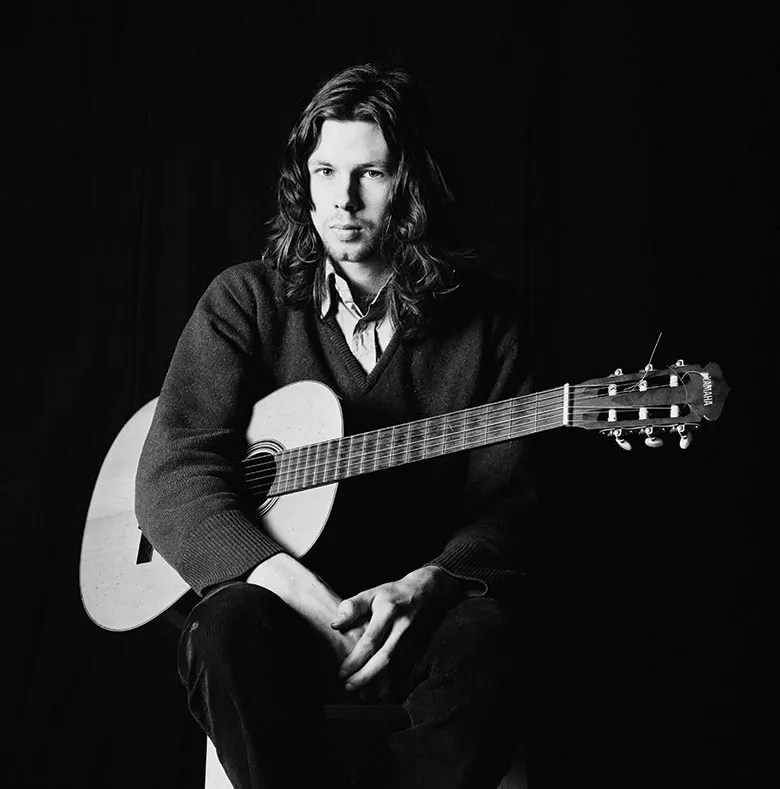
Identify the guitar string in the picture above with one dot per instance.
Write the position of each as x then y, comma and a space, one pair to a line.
268, 468
383, 448
353, 466
409, 428
497, 410
293, 480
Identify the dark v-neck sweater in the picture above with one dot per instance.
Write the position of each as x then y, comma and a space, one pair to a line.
466, 512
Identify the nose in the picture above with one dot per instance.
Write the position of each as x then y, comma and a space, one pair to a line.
346, 193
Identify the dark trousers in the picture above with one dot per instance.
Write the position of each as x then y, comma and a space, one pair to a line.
257, 677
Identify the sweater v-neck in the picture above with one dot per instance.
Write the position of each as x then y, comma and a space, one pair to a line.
364, 380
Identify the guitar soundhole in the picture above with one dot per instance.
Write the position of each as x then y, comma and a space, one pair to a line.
258, 474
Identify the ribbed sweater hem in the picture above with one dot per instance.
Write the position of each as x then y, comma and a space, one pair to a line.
240, 547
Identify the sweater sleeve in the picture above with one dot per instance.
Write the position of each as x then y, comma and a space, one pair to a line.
500, 493
188, 502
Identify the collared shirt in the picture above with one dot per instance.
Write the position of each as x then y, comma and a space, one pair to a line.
367, 333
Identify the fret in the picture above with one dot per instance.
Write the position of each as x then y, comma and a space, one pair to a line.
446, 435
316, 469
392, 453
500, 420
439, 435
339, 448
296, 481
416, 441
329, 467
310, 466
475, 427
326, 470
315, 464
432, 437
285, 477
280, 459
384, 449
284, 470
494, 423
369, 451
342, 462
407, 444
459, 433
391, 459
307, 466
339, 459
350, 467
361, 456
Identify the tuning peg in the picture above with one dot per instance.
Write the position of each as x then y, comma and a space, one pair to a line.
654, 442
686, 436
620, 441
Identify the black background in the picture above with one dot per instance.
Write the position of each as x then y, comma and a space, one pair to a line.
611, 161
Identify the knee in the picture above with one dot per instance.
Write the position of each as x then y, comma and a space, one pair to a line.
482, 642
231, 622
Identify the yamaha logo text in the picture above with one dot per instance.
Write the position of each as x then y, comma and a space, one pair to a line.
707, 389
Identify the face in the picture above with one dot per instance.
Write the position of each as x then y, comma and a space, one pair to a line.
351, 174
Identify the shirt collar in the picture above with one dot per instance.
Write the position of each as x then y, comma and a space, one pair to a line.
334, 286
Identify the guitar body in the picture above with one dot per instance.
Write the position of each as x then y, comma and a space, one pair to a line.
122, 589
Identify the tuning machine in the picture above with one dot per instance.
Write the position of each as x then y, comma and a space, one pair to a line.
617, 434
686, 436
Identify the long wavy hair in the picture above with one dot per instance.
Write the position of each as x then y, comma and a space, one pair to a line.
413, 236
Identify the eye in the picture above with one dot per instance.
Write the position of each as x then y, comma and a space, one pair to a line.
325, 172
373, 175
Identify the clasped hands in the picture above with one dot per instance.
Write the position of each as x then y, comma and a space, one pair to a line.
377, 619
362, 631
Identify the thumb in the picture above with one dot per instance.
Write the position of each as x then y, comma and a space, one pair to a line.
349, 612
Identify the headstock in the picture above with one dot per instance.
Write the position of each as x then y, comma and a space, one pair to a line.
673, 399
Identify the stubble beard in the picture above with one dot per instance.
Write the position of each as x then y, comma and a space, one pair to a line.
351, 253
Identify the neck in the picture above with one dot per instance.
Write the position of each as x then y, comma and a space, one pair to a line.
366, 278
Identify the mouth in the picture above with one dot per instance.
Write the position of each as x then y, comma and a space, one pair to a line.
346, 232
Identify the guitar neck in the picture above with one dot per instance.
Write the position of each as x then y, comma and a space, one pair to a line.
331, 461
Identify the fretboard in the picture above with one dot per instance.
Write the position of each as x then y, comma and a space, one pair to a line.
326, 462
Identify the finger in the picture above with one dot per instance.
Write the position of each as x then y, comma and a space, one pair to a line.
380, 660
374, 636
351, 611
378, 690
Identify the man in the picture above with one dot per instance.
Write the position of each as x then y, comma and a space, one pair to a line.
406, 595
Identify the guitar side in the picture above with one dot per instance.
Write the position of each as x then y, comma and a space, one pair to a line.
118, 591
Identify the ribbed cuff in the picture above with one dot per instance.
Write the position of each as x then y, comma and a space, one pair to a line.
461, 559
224, 547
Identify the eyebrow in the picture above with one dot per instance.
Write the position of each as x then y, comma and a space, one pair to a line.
379, 163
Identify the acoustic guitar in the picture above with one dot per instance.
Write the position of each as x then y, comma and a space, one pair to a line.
297, 454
